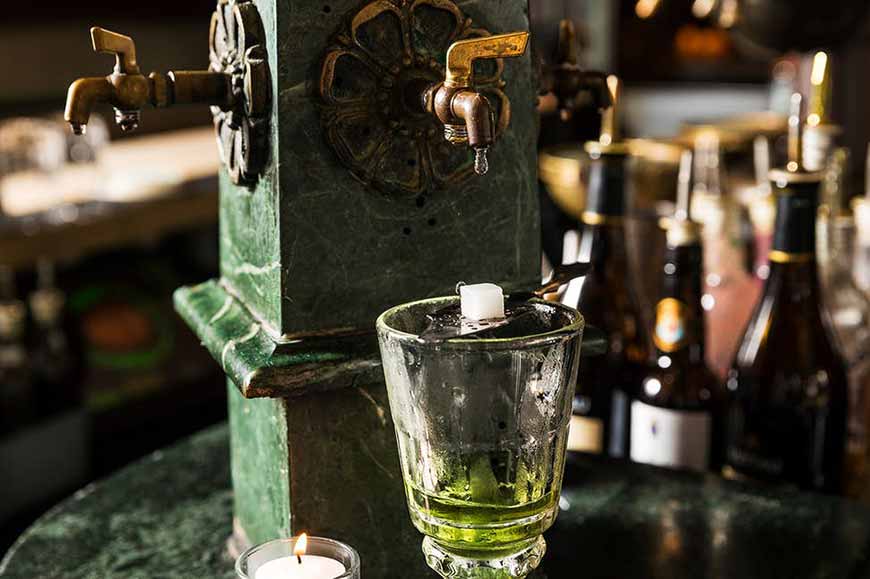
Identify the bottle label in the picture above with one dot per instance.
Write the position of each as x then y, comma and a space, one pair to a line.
673, 438
586, 434
670, 330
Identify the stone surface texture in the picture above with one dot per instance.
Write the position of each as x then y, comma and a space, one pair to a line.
168, 516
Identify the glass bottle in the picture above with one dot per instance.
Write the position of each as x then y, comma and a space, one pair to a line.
849, 308
57, 361
607, 299
730, 292
861, 209
17, 401
787, 390
672, 417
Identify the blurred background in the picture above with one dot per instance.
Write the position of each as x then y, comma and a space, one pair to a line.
96, 233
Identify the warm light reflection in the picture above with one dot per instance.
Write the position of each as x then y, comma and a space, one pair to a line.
820, 66
609, 120
702, 8
819, 93
646, 8
728, 13
613, 85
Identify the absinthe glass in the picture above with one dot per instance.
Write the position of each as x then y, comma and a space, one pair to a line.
482, 429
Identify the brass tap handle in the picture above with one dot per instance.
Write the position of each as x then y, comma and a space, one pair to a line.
567, 87
462, 54
121, 46
236, 85
128, 90
466, 114
567, 47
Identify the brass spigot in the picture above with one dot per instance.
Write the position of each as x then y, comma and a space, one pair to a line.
568, 85
128, 90
466, 114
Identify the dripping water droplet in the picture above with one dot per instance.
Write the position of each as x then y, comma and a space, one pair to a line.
481, 163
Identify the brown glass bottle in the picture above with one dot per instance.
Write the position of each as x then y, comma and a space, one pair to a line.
787, 389
606, 298
55, 353
675, 409
17, 399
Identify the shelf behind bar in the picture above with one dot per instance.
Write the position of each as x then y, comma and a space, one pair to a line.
64, 231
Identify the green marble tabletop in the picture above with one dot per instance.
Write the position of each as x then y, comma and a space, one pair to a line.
169, 515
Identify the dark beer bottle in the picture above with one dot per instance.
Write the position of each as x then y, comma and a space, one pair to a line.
55, 353
786, 415
17, 400
606, 297
673, 414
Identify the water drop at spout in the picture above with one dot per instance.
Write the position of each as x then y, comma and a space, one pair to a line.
481, 163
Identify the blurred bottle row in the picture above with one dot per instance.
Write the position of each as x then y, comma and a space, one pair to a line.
43, 423
753, 359
40, 360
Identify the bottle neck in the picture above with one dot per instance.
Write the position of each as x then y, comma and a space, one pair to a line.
607, 190
793, 266
603, 245
794, 236
679, 324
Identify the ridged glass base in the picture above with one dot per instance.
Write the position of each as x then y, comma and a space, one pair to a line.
512, 564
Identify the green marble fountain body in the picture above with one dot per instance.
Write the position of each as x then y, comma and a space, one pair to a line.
310, 256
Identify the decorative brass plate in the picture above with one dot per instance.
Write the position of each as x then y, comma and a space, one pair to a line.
237, 48
371, 83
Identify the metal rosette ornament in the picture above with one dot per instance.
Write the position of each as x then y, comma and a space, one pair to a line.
237, 48
372, 81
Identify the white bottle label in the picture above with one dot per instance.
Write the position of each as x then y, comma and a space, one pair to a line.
673, 438
586, 435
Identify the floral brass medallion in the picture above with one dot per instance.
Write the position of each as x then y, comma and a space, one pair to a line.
372, 83
237, 48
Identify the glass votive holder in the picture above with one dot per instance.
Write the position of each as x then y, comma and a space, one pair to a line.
277, 559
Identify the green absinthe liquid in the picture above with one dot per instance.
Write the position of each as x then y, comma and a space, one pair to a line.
487, 501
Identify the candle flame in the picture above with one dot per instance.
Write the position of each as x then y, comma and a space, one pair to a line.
301, 545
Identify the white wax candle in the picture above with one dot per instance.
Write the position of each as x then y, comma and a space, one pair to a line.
312, 567
482, 301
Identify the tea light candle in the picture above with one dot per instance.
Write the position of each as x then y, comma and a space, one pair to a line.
311, 567
300, 565
299, 558
482, 301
